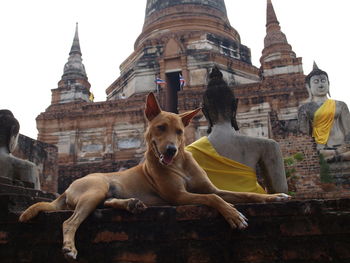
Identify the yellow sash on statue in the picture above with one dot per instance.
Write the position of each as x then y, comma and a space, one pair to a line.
323, 121
224, 173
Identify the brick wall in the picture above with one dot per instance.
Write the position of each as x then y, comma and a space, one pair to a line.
307, 176
292, 232
307, 182
68, 173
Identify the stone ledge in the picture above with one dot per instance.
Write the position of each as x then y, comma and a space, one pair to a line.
10, 203
16, 198
15, 182
334, 194
13, 189
293, 232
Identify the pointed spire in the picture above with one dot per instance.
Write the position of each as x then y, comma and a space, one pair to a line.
277, 55
274, 35
315, 67
271, 17
74, 85
74, 67
75, 49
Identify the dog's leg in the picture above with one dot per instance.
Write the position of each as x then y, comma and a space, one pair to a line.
86, 204
231, 214
241, 197
132, 205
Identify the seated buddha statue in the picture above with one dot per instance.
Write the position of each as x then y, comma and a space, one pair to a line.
325, 119
229, 158
12, 167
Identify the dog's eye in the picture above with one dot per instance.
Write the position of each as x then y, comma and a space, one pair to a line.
161, 128
179, 132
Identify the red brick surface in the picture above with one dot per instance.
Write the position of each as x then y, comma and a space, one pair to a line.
292, 232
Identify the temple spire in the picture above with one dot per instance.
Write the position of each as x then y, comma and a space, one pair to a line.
271, 17
74, 85
74, 67
274, 35
75, 49
278, 57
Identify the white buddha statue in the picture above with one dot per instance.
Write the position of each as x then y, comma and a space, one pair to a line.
230, 158
325, 119
10, 166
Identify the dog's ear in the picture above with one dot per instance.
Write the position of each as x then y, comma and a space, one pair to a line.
186, 117
152, 107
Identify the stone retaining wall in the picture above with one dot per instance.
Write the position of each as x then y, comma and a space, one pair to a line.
293, 232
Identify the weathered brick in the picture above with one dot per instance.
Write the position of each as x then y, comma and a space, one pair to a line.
294, 232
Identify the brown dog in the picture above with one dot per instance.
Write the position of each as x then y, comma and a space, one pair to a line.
169, 175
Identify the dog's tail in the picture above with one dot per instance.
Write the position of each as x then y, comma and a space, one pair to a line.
33, 210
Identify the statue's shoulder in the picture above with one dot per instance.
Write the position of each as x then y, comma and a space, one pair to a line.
308, 109
340, 103
304, 107
250, 140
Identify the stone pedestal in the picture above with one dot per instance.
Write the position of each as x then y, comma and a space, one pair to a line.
17, 195
340, 172
293, 232
14, 182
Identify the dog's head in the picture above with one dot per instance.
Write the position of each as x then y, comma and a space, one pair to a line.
165, 133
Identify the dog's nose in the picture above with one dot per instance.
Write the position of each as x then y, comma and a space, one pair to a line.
171, 150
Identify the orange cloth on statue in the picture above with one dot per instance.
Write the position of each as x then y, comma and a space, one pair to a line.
224, 173
323, 121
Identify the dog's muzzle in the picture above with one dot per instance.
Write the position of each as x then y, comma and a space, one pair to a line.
168, 156
171, 150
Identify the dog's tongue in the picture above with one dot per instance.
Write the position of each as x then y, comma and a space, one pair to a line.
167, 159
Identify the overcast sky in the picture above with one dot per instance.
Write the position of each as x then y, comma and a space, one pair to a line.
36, 37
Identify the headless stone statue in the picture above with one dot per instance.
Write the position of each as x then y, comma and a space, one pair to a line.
10, 166
230, 159
327, 120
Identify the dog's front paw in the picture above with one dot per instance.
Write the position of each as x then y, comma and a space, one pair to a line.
236, 219
281, 197
69, 253
135, 206
132, 205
